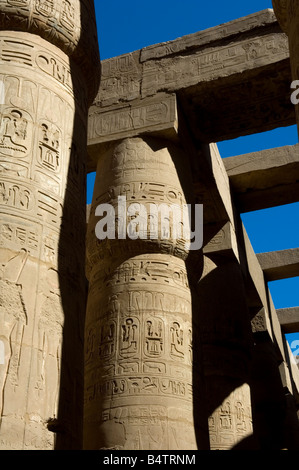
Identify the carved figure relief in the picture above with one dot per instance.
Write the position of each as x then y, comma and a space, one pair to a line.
18, 235
129, 340
50, 327
13, 319
231, 421
19, 3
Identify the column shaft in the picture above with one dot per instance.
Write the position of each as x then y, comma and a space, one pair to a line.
43, 114
226, 344
140, 383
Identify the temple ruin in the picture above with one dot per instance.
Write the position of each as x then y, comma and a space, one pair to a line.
142, 343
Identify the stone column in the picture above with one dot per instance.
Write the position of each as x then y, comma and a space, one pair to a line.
47, 84
141, 381
287, 13
225, 337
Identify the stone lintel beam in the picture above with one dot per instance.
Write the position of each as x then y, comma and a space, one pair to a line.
278, 265
204, 38
289, 319
160, 116
247, 43
210, 72
234, 53
155, 115
264, 179
261, 324
220, 241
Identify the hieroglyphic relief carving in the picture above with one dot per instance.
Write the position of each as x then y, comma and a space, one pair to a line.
40, 104
232, 420
50, 327
45, 7
120, 77
177, 340
107, 340
15, 133
157, 113
187, 70
128, 169
54, 20
138, 324
154, 337
70, 25
55, 68
129, 338
14, 318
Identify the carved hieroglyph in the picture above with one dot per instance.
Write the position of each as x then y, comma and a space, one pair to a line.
287, 12
231, 421
225, 338
42, 181
138, 360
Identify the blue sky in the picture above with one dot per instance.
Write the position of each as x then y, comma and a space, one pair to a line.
125, 26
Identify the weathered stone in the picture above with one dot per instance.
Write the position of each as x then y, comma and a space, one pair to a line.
280, 264
206, 76
231, 80
157, 115
261, 322
47, 88
183, 348
264, 179
141, 375
224, 332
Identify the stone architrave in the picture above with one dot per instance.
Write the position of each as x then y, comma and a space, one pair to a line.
48, 79
142, 385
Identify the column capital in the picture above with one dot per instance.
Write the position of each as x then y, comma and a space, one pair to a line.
156, 115
69, 25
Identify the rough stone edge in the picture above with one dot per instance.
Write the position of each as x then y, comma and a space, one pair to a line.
207, 36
